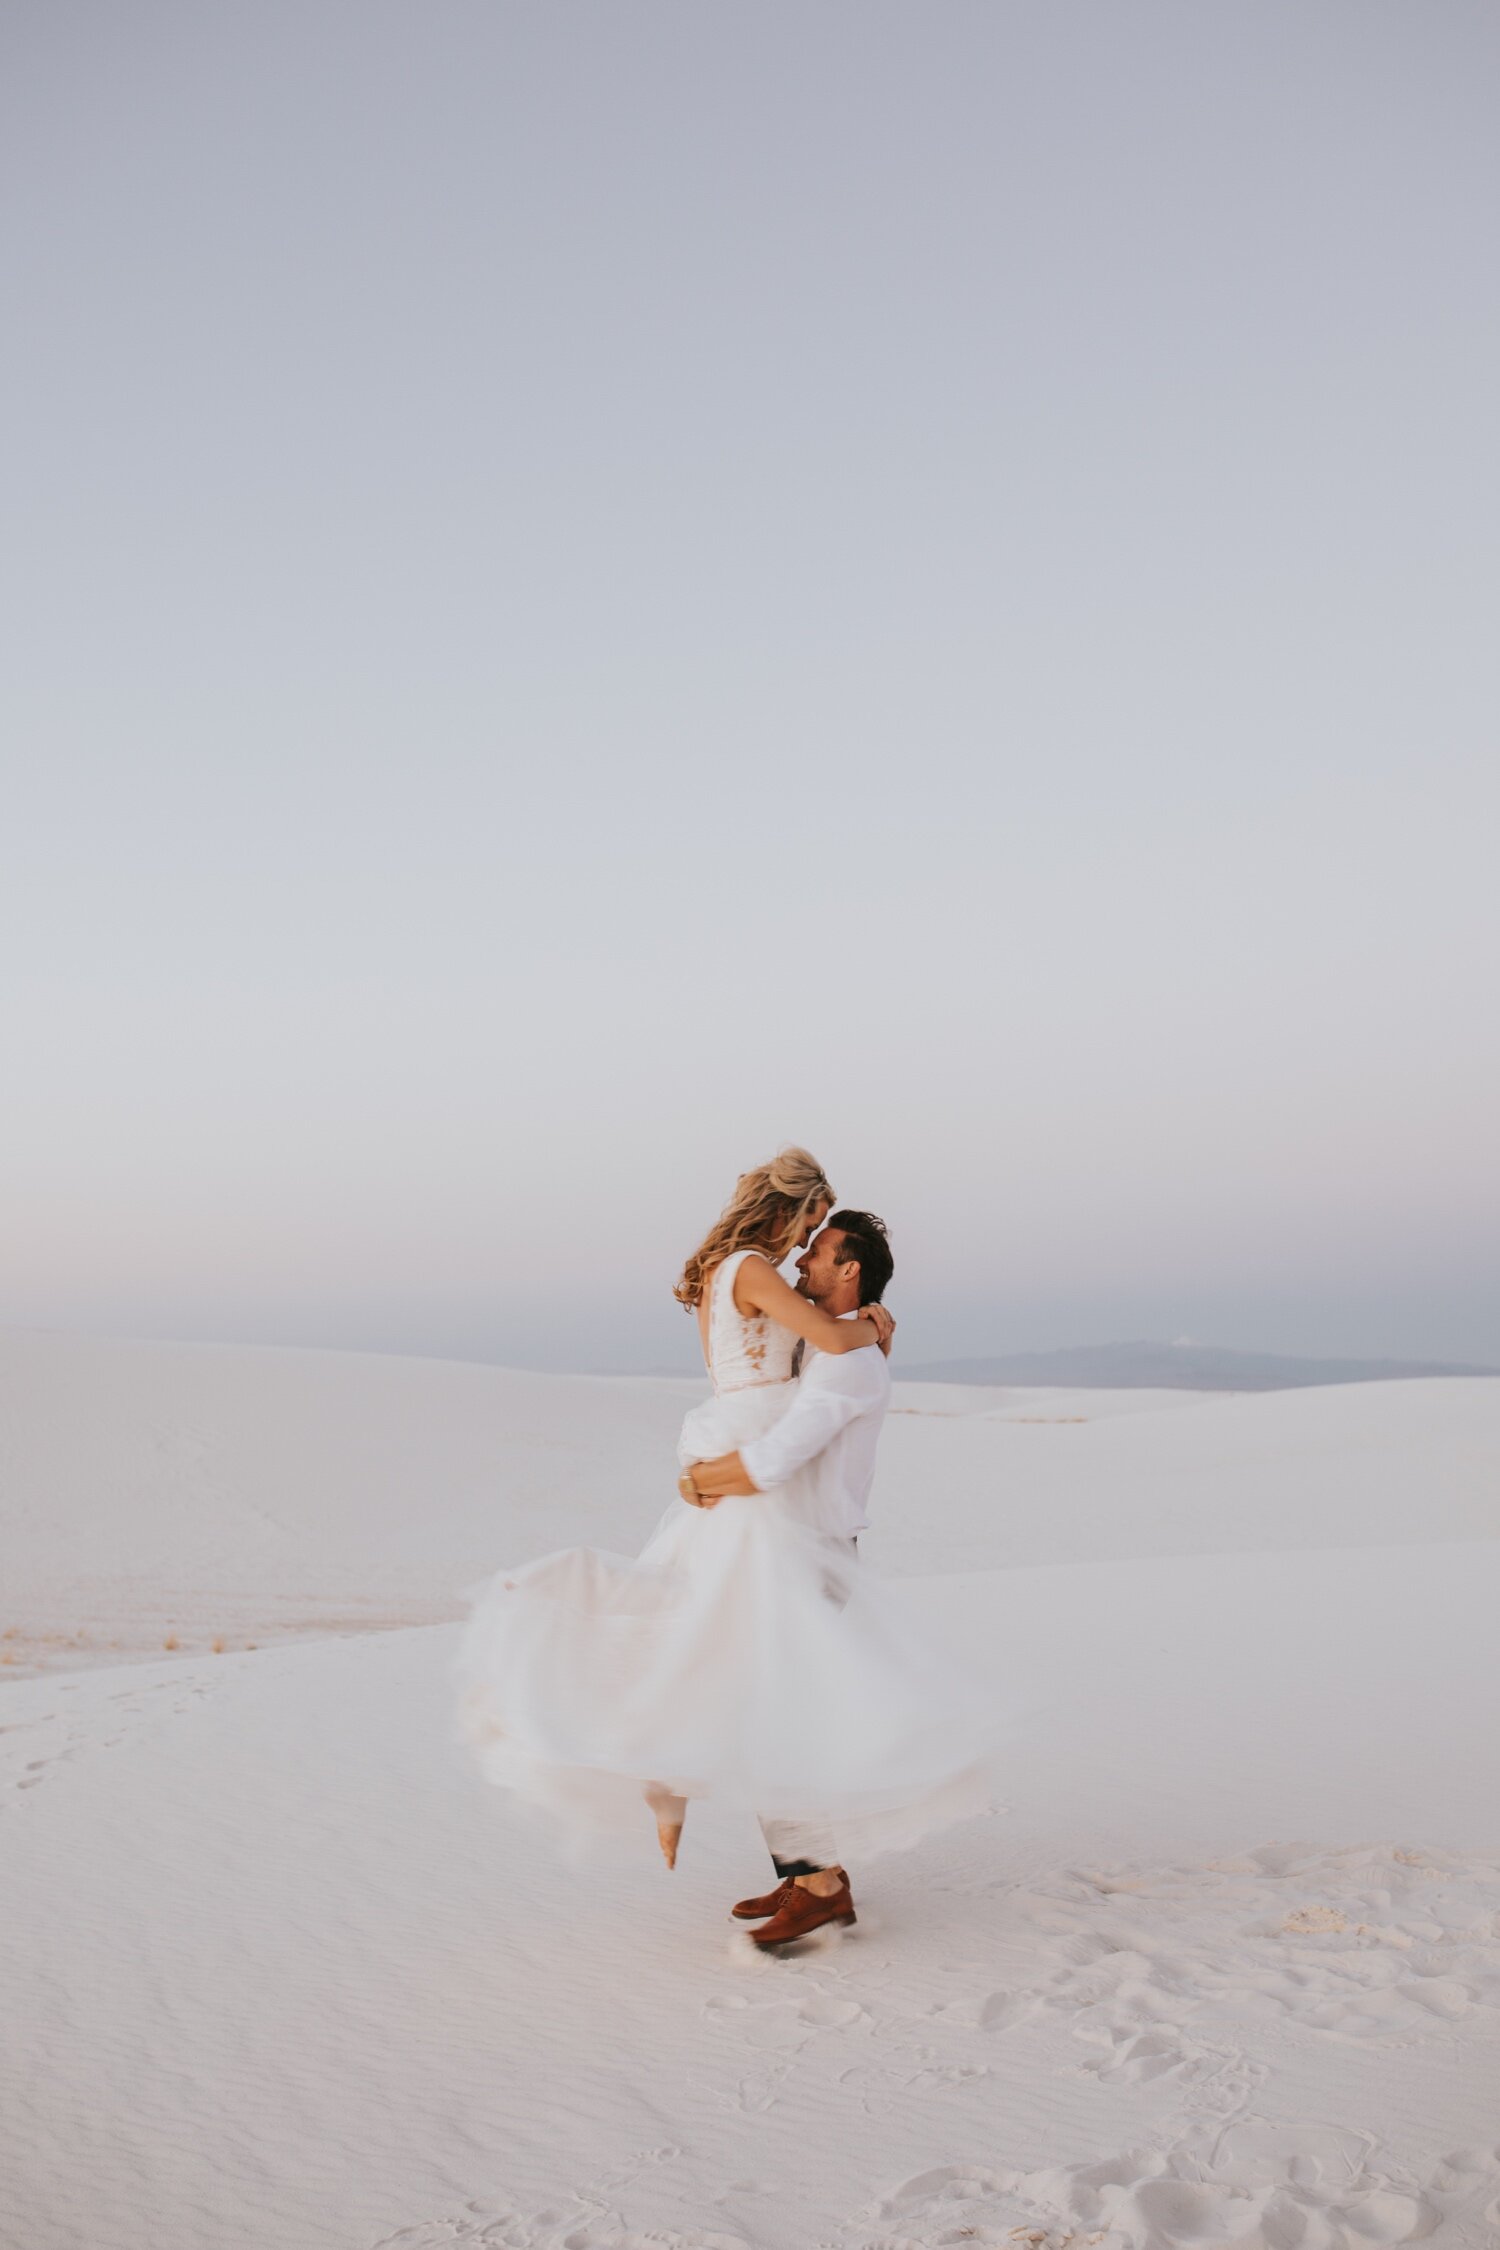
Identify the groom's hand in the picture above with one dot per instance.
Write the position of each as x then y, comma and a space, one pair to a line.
720, 1479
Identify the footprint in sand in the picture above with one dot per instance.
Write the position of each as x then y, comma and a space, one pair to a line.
1260, 2182
1133, 2057
784, 2022
585, 2227
50, 1746
608, 2234
1370, 1942
988, 2011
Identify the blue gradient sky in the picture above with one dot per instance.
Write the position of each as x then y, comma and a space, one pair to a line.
596, 589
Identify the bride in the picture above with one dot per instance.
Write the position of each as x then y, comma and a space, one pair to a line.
744, 1654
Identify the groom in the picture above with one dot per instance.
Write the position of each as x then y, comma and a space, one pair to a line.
827, 1440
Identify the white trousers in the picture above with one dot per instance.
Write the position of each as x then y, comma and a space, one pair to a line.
800, 1849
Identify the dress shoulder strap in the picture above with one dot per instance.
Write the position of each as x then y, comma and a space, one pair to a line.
730, 1265
721, 1304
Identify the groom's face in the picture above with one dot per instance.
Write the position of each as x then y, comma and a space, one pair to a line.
823, 1272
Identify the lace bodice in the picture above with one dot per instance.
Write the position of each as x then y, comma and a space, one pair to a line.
744, 1352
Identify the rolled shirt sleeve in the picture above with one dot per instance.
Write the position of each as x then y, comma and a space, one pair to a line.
831, 1393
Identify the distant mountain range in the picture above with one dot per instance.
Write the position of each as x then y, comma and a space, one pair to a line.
1175, 1367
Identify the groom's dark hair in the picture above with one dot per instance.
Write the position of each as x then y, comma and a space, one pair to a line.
865, 1240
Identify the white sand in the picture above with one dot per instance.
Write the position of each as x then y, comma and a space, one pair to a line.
281, 1972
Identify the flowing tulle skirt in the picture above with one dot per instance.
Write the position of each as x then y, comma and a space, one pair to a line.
745, 1655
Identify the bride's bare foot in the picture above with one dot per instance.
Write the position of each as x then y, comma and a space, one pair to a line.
670, 1813
668, 1833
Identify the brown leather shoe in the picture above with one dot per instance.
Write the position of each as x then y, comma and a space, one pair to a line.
756, 1909
802, 1910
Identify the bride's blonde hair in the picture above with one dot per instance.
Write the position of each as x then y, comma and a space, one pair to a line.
767, 1211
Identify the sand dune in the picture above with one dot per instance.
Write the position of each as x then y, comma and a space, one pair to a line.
1226, 1968
202, 1492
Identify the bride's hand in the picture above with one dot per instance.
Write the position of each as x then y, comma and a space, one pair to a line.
690, 1494
885, 1327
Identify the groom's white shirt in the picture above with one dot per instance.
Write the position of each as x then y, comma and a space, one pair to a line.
829, 1433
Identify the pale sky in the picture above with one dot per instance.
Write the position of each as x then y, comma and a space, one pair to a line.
594, 589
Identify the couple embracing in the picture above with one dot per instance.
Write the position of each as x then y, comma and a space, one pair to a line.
745, 1654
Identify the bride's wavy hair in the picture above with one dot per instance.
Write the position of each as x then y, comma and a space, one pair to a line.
767, 1211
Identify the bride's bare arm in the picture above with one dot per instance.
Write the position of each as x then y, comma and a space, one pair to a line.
759, 1287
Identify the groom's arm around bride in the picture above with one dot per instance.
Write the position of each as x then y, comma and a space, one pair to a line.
828, 1435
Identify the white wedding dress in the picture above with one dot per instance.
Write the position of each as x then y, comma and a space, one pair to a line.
745, 1654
